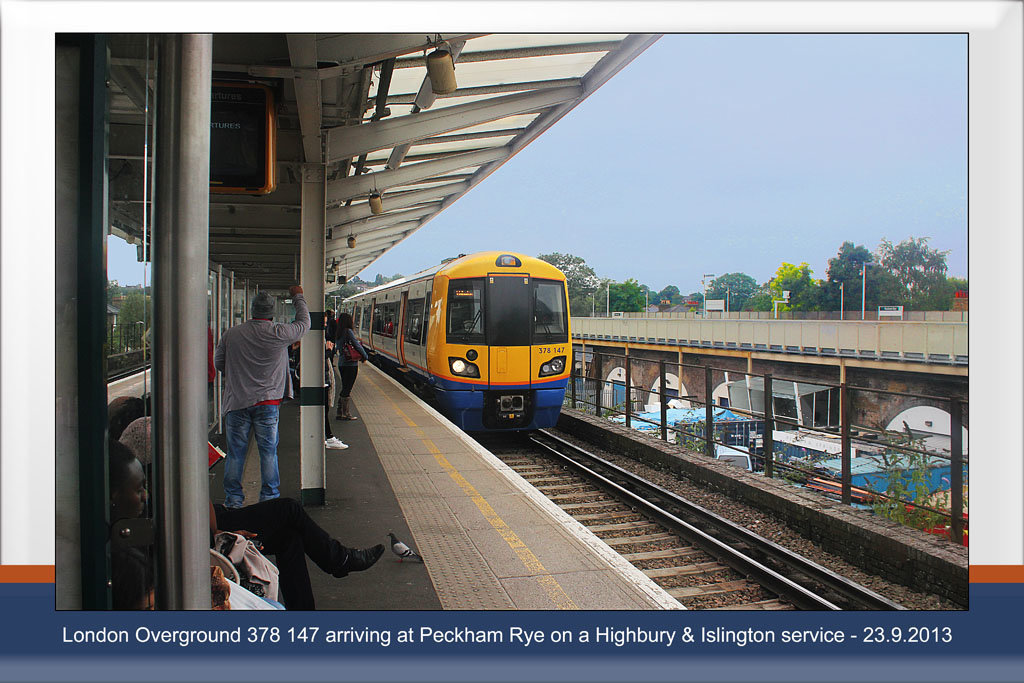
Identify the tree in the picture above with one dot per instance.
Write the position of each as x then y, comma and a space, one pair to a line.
134, 309
761, 300
920, 269
736, 287
846, 269
627, 296
580, 280
670, 294
804, 292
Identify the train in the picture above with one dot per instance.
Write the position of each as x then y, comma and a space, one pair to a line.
485, 337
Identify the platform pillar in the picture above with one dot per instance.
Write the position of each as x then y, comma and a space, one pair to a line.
180, 266
312, 470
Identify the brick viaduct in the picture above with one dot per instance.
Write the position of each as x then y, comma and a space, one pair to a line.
869, 409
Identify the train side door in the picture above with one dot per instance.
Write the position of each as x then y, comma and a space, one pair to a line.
403, 320
507, 313
372, 313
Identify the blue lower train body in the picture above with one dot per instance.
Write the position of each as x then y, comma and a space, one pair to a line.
471, 407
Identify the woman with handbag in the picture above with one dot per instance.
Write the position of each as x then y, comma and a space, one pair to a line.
352, 354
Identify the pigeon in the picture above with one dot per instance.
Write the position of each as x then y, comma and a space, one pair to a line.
402, 550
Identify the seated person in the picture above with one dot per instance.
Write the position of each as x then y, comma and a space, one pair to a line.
285, 528
291, 535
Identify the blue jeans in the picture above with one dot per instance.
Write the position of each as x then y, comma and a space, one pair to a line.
238, 424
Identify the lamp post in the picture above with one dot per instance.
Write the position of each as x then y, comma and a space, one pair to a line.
841, 300
704, 286
608, 301
727, 309
863, 285
776, 302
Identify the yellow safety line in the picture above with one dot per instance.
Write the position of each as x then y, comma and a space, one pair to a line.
526, 556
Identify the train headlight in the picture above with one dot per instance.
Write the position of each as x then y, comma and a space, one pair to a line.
462, 368
555, 366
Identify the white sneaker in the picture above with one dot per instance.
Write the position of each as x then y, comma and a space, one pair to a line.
335, 442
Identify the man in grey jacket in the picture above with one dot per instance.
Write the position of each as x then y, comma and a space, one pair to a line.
253, 357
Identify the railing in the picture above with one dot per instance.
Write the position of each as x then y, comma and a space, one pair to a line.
909, 477
126, 348
927, 342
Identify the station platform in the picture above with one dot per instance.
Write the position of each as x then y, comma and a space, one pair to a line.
490, 540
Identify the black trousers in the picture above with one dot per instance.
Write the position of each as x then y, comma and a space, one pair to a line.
290, 535
348, 378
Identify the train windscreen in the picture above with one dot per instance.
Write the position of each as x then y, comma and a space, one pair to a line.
465, 311
549, 312
508, 310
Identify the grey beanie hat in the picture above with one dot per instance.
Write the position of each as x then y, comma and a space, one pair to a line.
263, 306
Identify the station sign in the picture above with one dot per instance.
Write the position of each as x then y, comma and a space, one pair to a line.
890, 312
243, 136
714, 305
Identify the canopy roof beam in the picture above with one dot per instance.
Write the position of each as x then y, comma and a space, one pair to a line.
349, 187
345, 142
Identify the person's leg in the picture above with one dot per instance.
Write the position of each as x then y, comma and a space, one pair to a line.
288, 532
265, 421
237, 425
263, 520
348, 379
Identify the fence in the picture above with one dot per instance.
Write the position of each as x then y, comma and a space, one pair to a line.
126, 347
810, 433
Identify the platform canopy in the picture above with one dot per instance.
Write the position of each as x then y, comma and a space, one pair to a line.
363, 106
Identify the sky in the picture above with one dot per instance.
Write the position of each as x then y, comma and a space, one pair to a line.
718, 153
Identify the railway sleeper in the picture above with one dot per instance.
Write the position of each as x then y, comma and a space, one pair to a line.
667, 554
586, 506
607, 516
771, 605
720, 588
621, 526
686, 570
579, 487
646, 538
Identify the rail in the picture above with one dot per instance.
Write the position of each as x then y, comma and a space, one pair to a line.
922, 342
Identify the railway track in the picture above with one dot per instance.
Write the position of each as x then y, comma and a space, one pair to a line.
698, 557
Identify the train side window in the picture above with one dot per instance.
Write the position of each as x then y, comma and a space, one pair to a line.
385, 317
365, 326
465, 311
426, 318
414, 321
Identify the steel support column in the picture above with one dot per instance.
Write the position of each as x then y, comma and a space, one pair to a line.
180, 259
312, 471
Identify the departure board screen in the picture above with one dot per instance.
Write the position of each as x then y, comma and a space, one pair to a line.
242, 139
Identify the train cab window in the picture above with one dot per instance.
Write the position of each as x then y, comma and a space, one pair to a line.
414, 321
465, 311
549, 312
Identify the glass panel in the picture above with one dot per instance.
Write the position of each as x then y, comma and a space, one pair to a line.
414, 321
465, 311
508, 310
549, 312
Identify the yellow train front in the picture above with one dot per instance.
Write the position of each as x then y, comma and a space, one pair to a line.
487, 335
